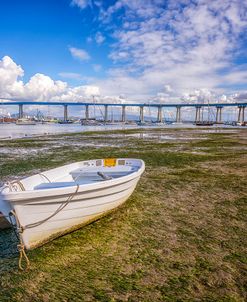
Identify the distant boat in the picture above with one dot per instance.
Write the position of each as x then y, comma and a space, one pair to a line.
65, 122
204, 123
130, 122
49, 121
58, 201
7, 120
177, 123
25, 121
91, 122
230, 123
241, 123
139, 123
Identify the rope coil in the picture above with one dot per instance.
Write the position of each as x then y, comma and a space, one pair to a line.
14, 186
22, 252
20, 246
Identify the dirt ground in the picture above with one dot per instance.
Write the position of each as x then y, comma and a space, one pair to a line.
180, 237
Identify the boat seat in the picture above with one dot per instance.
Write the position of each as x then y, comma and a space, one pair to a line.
112, 174
61, 184
123, 170
51, 185
83, 178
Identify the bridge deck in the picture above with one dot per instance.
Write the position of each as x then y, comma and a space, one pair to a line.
12, 103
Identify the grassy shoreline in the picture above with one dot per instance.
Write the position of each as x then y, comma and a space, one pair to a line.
180, 237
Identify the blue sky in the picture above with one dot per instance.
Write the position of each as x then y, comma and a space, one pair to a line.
123, 49
37, 35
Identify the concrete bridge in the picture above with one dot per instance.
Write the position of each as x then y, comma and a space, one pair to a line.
198, 108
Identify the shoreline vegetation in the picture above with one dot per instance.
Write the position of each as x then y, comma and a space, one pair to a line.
181, 236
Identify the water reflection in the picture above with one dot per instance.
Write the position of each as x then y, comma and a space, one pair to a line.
8, 131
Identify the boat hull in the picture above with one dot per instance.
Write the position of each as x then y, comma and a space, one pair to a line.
83, 209
86, 204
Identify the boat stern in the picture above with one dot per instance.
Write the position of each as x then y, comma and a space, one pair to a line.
5, 208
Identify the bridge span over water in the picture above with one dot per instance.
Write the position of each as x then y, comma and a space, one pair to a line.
198, 107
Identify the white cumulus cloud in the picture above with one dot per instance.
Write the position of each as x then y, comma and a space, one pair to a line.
99, 38
188, 45
79, 54
9, 77
81, 3
40, 87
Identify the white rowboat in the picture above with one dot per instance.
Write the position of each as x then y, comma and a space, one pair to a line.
57, 201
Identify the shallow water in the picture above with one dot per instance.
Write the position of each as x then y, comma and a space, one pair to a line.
9, 131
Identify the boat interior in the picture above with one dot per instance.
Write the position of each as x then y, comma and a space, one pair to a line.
80, 173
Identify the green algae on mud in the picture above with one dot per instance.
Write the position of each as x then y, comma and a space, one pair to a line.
180, 237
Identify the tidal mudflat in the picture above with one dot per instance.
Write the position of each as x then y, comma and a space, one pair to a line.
180, 237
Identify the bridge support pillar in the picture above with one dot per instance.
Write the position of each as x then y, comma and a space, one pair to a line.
142, 114
123, 114
159, 116
241, 114
198, 114
218, 115
178, 114
106, 113
21, 111
65, 112
243, 108
87, 112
